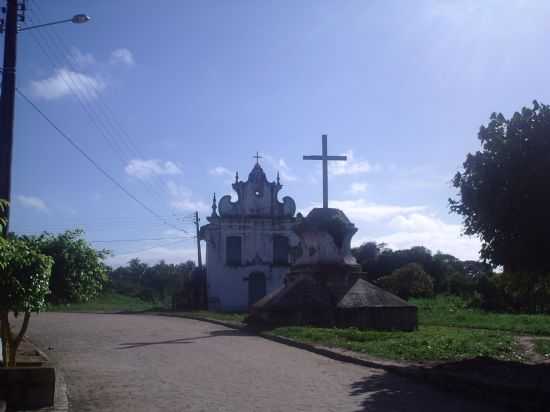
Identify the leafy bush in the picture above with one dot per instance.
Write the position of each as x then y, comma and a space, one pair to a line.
152, 283
462, 285
24, 276
517, 292
78, 273
408, 281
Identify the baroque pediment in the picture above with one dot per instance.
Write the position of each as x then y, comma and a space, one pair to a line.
256, 197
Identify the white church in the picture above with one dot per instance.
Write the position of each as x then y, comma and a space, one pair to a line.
249, 243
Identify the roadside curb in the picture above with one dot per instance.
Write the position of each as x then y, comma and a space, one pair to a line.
513, 397
340, 355
61, 400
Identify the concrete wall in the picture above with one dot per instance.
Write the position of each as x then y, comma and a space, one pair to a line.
27, 387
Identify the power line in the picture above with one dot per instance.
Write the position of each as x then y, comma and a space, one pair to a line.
141, 240
149, 248
108, 120
94, 163
84, 99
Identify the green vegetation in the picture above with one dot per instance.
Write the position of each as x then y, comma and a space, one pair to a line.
429, 343
408, 281
453, 311
448, 330
24, 276
233, 317
542, 347
107, 302
78, 272
157, 282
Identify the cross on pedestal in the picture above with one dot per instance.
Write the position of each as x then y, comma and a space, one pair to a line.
257, 157
325, 158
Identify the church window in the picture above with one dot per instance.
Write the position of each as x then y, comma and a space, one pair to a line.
280, 250
233, 250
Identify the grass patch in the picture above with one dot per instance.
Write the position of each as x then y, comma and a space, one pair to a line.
429, 343
107, 302
453, 311
227, 316
542, 347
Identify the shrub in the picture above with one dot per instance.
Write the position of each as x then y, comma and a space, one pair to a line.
462, 285
78, 273
24, 276
517, 292
409, 281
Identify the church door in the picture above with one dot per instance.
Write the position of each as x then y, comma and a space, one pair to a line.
256, 287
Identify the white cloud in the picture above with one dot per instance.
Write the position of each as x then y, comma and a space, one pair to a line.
351, 166
417, 229
358, 187
152, 167
282, 167
65, 82
284, 171
361, 210
81, 60
122, 56
32, 202
220, 171
181, 198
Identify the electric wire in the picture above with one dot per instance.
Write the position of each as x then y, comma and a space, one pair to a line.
84, 99
94, 163
109, 120
142, 240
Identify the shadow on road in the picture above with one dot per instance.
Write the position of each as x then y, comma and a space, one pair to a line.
510, 385
387, 392
213, 334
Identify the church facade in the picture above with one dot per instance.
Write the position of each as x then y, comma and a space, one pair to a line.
249, 243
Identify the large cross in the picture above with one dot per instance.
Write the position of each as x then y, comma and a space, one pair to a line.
325, 158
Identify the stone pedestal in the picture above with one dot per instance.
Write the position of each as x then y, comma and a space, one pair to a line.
325, 286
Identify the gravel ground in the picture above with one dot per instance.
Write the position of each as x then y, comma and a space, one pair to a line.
153, 363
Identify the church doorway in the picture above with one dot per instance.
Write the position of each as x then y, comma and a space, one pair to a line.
256, 287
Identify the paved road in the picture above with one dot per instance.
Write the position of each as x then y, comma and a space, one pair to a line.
152, 363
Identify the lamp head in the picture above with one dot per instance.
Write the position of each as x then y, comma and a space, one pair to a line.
80, 18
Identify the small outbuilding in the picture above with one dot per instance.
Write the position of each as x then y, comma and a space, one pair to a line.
325, 287
367, 306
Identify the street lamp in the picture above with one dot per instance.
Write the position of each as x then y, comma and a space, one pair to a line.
14, 13
76, 19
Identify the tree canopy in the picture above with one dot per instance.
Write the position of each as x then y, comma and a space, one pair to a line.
503, 191
151, 282
409, 281
78, 272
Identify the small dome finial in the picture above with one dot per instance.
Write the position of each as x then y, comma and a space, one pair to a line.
278, 178
237, 177
214, 205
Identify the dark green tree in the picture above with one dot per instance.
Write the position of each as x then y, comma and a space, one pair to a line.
409, 281
78, 272
503, 191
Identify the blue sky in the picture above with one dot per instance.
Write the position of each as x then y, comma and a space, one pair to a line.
174, 97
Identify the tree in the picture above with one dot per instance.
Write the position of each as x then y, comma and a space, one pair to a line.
409, 281
78, 273
504, 192
24, 277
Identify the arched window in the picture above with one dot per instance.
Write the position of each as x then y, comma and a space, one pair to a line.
280, 250
233, 250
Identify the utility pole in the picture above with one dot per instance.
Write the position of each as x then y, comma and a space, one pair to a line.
199, 256
7, 103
